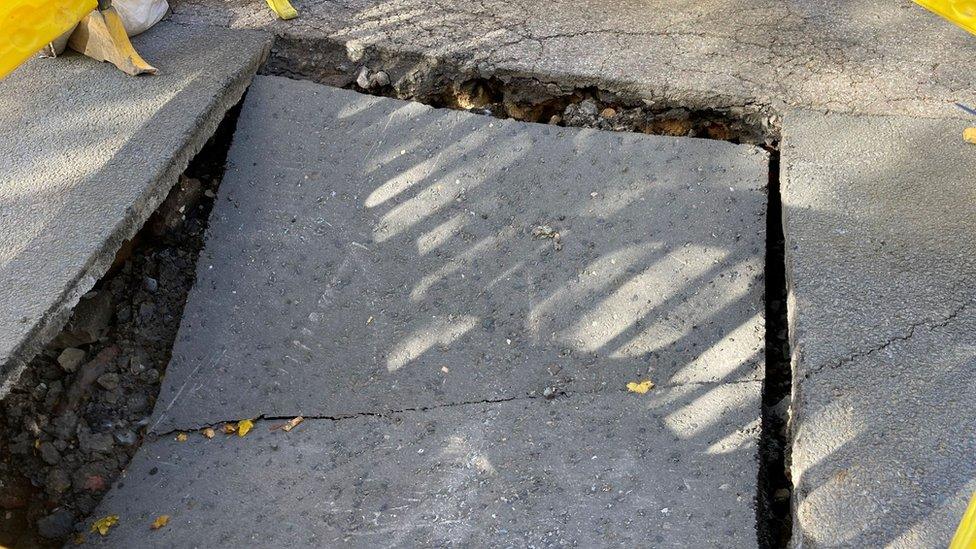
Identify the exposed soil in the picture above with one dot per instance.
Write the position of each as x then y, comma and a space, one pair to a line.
74, 420
585, 108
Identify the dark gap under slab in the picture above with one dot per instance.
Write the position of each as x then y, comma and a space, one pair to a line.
68, 431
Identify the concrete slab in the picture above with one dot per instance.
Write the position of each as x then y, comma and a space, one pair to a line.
88, 154
367, 254
673, 468
880, 214
865, 56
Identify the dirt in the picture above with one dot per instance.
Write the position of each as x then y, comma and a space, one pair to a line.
75, 418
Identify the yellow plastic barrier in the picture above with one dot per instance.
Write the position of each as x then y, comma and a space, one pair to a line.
960, 12
26, 26
965, 537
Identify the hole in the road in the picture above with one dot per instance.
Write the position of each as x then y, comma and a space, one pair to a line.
33, 498
75, 418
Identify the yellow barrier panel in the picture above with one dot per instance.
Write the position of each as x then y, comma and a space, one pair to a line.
965, 537
960, 12
26, 26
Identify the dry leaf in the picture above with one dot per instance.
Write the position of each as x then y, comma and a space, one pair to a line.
104, 524
209, 432
969, 135
244, 426
292, 423
79, 538
181, 437
640, 387
161, 520
229, 428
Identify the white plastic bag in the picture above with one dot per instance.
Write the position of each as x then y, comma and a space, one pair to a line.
138, 16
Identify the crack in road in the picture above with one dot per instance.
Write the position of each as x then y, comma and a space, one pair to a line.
909, 334
556, 395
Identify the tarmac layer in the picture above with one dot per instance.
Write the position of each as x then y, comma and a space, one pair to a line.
367, 254
880, 214
89, 153
672, 468
863, 56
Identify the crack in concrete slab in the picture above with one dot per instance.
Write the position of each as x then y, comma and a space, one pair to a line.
909, 333
556, 395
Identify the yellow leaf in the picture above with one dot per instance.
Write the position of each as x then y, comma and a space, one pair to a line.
640, 387
181, 437
969, 135
161, 520
244, 426
209, 432
104, 524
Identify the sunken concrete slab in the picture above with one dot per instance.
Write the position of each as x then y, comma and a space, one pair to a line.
880, 214
88, 154
673, 468
367, 254
864, 56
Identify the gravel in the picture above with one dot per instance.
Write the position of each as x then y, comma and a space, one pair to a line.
77, 415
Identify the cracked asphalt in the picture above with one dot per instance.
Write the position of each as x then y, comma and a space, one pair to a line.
879, 215
857, 56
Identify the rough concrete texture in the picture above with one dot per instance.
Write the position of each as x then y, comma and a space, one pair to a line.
880, 214
871, 56
371, 254
672, 468
88, 154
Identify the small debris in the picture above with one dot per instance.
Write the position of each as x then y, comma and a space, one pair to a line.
70, 359
608, 112
104, 524
181, 437
545, 231
229, 429
161, 520
292, 423
244, 426
209, 432
109, 381
640, 387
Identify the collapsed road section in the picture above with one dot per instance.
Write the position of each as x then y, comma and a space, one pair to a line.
457, 303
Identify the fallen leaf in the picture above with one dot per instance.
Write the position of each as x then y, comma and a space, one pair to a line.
79, 538
229, 428
181, 437
104, 524
244, 426
161, 520
209, 432
640, 387
292, 423
969, 135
